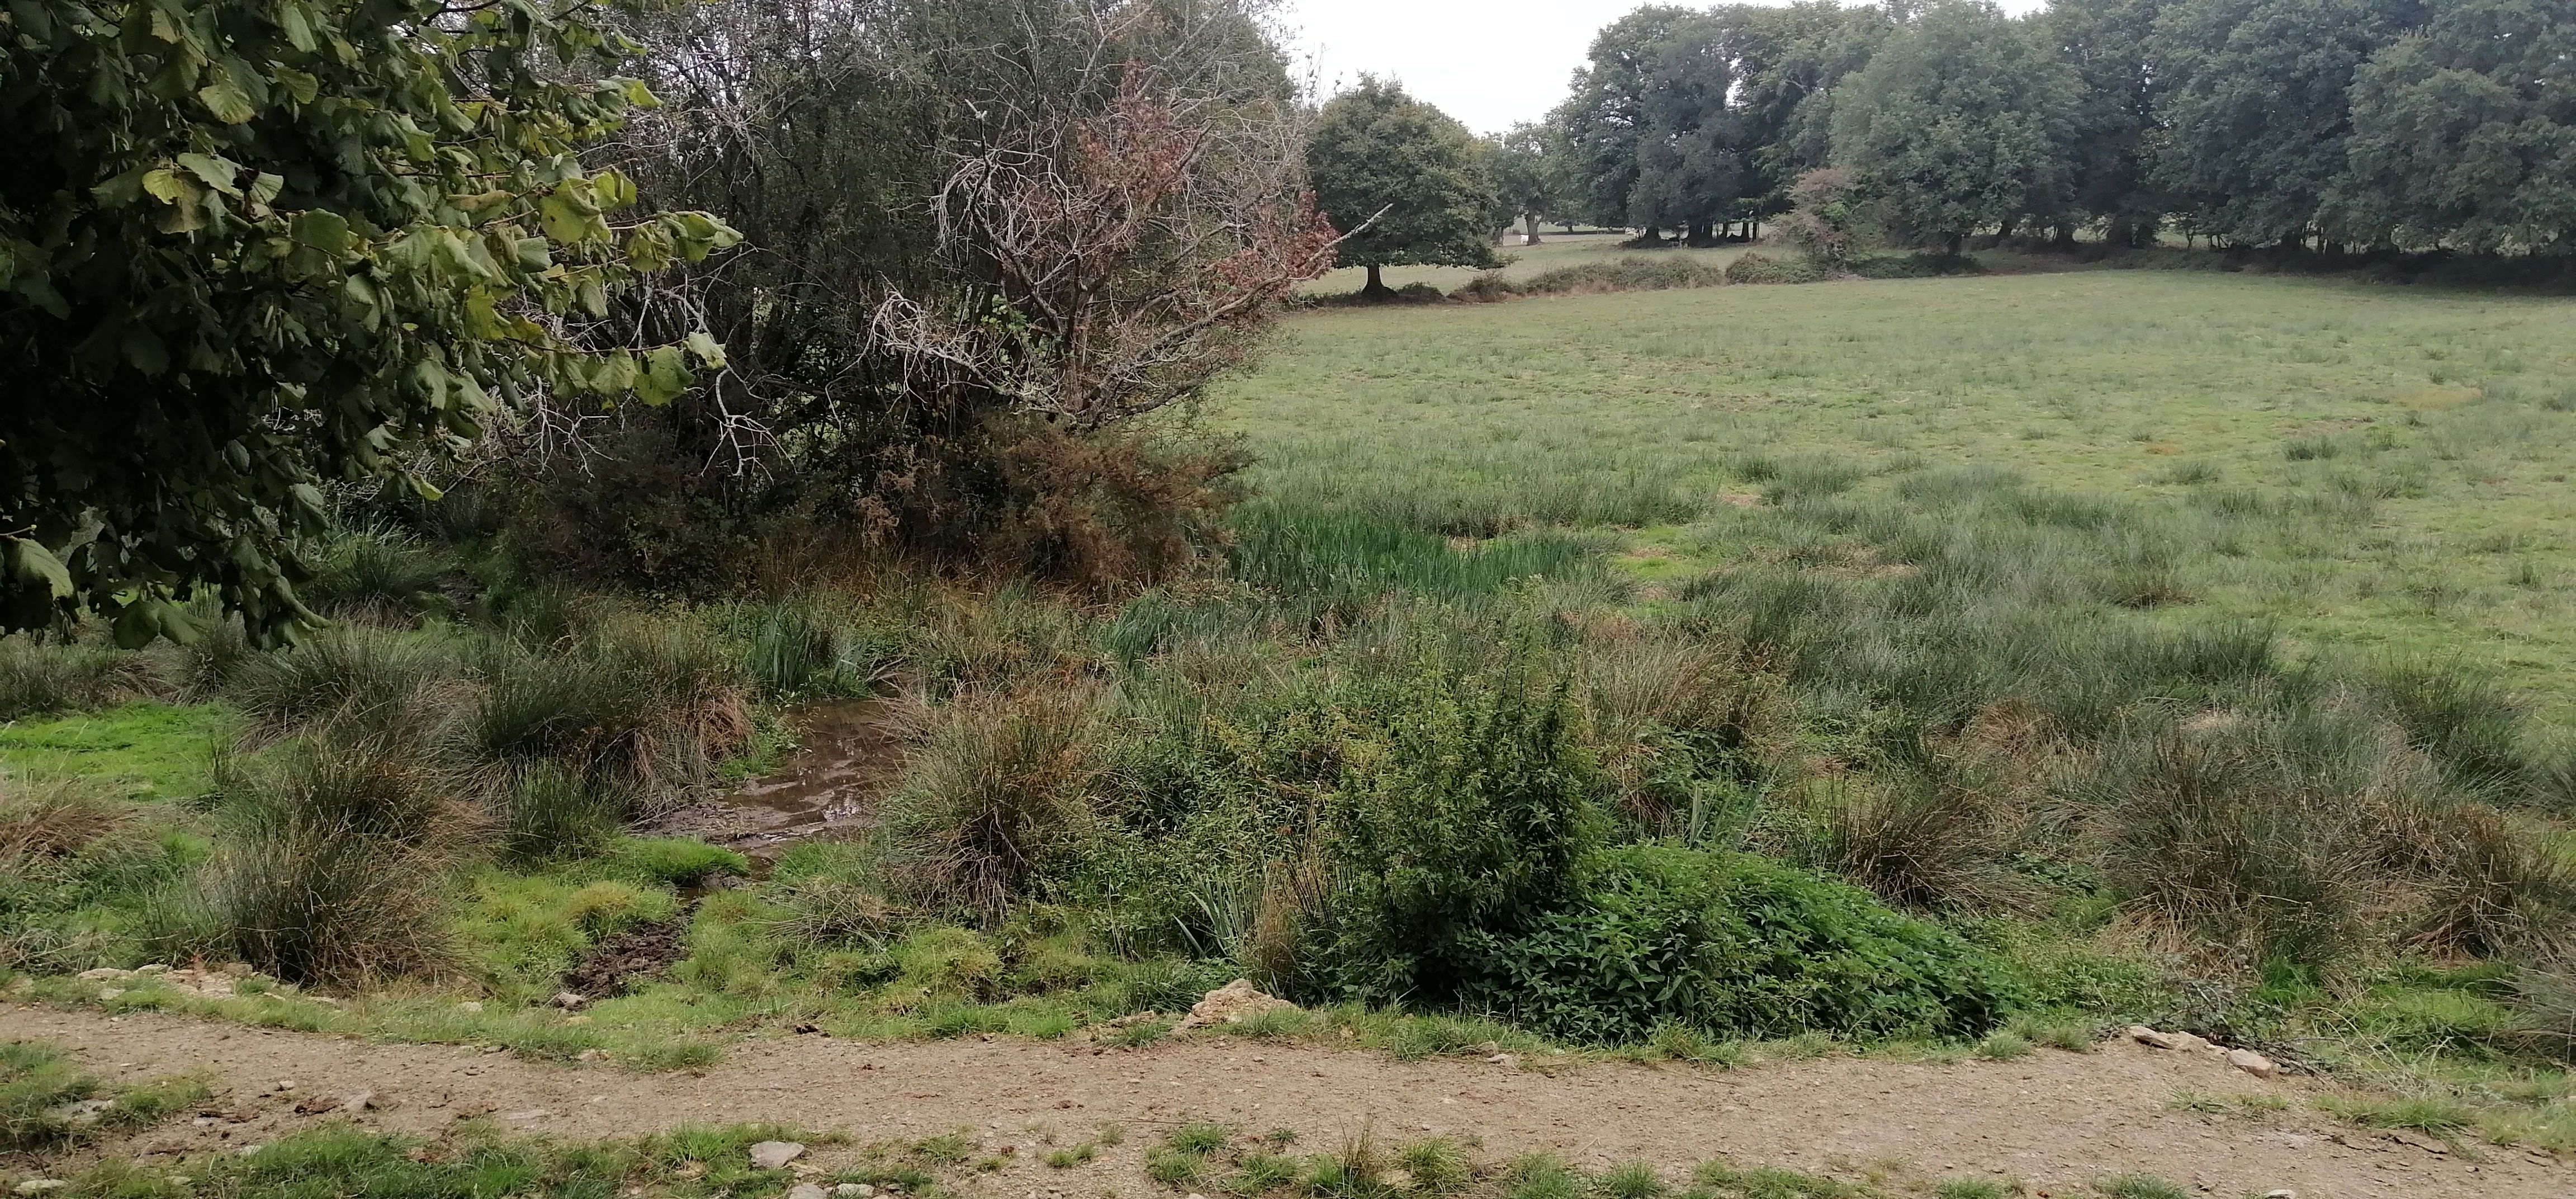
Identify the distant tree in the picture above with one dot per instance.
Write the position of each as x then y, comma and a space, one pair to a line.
252, 248
2109, 44
1959, 122
1529, 173
2257, 125
2465, 136
1409, 172
1603, 123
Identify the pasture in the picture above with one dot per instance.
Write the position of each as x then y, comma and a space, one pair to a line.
2376, 472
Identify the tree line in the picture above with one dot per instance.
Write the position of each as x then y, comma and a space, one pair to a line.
2412, 125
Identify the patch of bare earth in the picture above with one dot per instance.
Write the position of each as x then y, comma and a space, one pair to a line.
2057, 1120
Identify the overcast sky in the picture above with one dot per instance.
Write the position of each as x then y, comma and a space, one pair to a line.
1488, 63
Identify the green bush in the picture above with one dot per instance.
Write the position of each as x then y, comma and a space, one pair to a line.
1466, 824
1762, 268
1740, 946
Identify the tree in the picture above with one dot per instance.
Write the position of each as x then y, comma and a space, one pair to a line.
2465, 136
1529, 172
2257, 122
1602, 125
252, 249
2109, 44
1958, 123
1402, 179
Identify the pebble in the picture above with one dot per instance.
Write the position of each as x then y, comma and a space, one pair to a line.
2252, 1063
770, 1155
807, 1190
853, 1190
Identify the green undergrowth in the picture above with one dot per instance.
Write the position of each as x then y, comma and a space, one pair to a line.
141, 750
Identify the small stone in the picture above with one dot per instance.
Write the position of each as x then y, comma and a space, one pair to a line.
853, 1190
570, 1000
359, 1102
807, 1190
38, 1186
591, 1055
153, 968
100, 975
470, 1006
283, 1084
2281, 1193
2252, 1063
1231, 1004
2167, 1040
771, 1155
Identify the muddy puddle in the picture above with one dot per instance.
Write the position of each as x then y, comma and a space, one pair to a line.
845, 757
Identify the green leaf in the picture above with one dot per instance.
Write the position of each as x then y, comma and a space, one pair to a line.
707, 348
217, 173
34, 561
666, 375
169, 186
296, 26
226, 102
322, 229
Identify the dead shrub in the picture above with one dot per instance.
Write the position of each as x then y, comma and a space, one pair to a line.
2491, 887
1108, 510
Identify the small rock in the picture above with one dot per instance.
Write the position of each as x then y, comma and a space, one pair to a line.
1500, 1059
2281, 1193
38, 1186
853, 1190
100, 975
570, 1000
1231, 1003
807, 1190
359, 1102
770, 1155
591, 1055
282, 1085
2167, 1040
153, 968
2252, 1063
470, 1005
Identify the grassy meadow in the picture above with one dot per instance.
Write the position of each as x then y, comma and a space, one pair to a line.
2371, 470
1947, 667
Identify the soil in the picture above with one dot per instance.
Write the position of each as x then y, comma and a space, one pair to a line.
618, 962
2057, 1120
846, 753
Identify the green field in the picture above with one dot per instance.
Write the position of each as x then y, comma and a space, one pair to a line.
2375, 470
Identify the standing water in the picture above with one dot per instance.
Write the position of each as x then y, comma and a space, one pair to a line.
846, 754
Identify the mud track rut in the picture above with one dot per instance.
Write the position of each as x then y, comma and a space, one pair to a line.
2057, 1120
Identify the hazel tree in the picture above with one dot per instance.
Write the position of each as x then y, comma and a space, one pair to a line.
250, 249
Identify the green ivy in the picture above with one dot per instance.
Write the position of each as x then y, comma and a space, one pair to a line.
252, 248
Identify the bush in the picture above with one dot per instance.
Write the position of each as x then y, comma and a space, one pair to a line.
1466, 824
330, 864
36, 678
1590, 278
1737, 945
997, 792
1762, 268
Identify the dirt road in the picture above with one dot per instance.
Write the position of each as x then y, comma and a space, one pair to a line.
2057, 1120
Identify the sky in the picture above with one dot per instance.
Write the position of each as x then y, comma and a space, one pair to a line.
1489, 63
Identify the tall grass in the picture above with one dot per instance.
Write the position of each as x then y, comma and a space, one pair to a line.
38, 677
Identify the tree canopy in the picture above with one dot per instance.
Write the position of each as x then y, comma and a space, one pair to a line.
250, 249
1403, 174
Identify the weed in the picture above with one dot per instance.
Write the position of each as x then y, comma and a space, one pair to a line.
2004, 1047
1200, 1139
1631, 1180
1970, 1188
1770, 1182
2139, 1186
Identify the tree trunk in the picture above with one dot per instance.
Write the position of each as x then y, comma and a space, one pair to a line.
1377, 288
1756, 235
2004, 231
1529, 228
1954, 244
1700, 235
1652, 237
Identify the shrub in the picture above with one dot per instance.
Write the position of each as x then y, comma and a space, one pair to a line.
352, 675
330, 864
1762, 268
1929, 836
1740, 946
1822, 220
36, 678
638, 708
373, 574
1465, 825
997, 791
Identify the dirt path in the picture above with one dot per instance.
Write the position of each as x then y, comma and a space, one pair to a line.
2058, 1120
